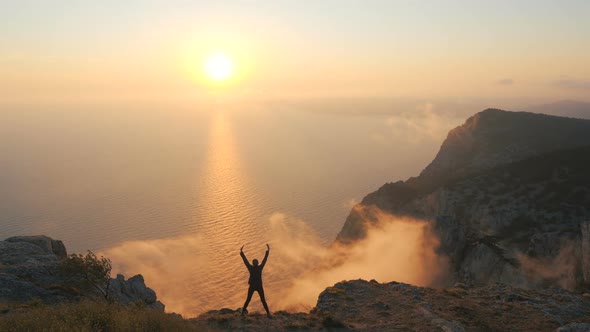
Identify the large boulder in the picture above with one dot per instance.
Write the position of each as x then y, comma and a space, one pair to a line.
46, 243
28, 269
134, 291
28, 261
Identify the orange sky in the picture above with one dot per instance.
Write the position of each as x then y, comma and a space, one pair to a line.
145, 51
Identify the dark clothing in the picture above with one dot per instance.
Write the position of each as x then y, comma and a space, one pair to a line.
255, 271
260, 291
255, 282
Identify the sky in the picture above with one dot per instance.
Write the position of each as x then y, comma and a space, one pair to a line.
89, 51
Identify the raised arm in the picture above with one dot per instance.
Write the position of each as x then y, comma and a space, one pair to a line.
265, 256
244, 257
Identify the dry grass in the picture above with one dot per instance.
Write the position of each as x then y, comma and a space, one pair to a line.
88, 316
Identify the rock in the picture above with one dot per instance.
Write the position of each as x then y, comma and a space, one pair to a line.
13, 289
59, 249
485, 264
384, 307
495, 137
133, 291
380, 305
29, 269
225, 311
372, 306
544, 244
585, 250
508, 198
574, 327
443, 324
26, 268
46, 243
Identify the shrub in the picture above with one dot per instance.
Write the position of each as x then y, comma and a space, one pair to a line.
89, 271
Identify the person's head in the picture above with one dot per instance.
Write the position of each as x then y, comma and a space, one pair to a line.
255, 262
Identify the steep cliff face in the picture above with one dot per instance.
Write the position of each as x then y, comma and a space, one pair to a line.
508, 223
508, 194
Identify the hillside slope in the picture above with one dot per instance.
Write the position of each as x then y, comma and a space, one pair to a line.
508, 193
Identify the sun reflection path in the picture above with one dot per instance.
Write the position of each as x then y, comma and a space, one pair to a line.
202, 270
228, 215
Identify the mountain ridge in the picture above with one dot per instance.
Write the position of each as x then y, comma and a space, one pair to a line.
494, 137
487, 208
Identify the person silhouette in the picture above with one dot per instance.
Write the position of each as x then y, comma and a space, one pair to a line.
255, 280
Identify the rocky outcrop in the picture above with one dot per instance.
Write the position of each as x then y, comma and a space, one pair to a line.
575, 327
508, 195
134, 291
495, 307
29, 269
585, 250
46, 243
494, 137
360, 305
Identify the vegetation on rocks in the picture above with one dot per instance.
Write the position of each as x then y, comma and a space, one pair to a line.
356, 305
37, 268
88, 271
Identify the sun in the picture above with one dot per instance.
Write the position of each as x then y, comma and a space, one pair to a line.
218, 67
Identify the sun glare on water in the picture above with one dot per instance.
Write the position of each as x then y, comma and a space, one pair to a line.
218, 67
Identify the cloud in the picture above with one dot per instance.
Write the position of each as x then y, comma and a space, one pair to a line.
395, 249
572, 84
190, 278
351, 203
424, 123
427, 108
560, 269
505, 81
170, 266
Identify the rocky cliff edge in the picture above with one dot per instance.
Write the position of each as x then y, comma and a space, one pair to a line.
29, 270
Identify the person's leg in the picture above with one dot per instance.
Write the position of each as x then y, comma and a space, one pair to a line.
250, 292
263, 300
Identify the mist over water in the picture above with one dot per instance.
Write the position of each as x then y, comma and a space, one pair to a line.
173, 193
195, 273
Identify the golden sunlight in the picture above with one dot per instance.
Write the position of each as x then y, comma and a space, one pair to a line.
218, 67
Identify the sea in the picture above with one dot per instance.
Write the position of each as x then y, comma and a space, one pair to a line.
173, 192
